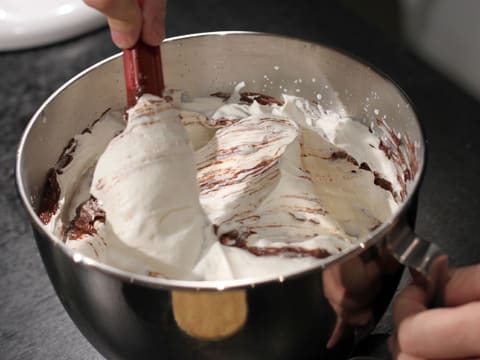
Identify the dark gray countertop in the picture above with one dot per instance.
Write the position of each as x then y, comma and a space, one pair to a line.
33, 323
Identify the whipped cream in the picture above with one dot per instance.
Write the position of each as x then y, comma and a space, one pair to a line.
223, 187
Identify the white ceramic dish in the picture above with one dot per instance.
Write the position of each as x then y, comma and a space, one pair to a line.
31, 23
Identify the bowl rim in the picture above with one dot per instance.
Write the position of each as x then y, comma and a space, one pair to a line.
215, 285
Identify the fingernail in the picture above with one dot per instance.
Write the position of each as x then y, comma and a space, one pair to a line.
121, 39
154, 37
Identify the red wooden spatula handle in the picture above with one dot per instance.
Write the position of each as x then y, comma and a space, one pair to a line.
142, 65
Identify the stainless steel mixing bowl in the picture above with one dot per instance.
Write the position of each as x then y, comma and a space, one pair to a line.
131, 316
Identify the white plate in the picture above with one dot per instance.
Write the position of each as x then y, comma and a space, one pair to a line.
31, 23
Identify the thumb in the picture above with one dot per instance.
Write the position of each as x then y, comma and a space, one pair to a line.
124, 19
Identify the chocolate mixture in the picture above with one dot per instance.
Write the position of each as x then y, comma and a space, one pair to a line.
89, 213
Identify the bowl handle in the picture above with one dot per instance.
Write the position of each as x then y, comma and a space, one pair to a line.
425, 259
421, 256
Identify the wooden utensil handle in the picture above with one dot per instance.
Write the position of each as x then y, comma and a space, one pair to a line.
142, 65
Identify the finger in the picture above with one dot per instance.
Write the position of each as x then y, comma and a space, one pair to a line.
342, 302
360, 277
394, 351
337, 333
124, 18
338, 293
350, 287
407, 357
445, 333
409, 302
463, 286
153, 31
396, 355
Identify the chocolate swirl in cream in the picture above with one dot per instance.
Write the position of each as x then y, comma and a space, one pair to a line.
279, 185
